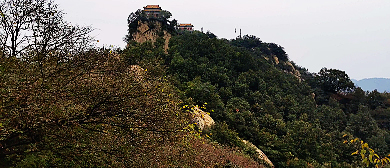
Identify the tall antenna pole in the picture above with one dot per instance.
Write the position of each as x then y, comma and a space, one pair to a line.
240, 33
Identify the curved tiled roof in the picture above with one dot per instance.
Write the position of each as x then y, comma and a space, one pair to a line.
152, 7
186, 25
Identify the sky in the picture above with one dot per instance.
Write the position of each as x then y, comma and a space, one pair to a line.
349, 35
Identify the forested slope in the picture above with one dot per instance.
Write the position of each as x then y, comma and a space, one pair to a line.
295, 120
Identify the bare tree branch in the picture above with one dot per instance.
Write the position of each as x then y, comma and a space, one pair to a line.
35, 29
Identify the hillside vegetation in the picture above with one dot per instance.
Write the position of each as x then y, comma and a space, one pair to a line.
296, 121
82, 106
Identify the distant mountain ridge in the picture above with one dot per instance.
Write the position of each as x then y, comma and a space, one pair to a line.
370, 84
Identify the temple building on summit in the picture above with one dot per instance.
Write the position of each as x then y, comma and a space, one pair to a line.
152, 10
155, 11
186, 26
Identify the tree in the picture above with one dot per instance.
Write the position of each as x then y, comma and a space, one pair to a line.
330, 119
35, 30
164, 14
247, 41
367, 154
278, 51
362, 124
204, 93
334, 81
132, 21
375, 99
95, 111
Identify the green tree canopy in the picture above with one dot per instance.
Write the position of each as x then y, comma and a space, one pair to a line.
334, 81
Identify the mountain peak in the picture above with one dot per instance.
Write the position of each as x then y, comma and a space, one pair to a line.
370, 84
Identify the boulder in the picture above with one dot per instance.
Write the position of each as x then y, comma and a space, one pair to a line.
276, 59
261, 156
201, 118
137, 72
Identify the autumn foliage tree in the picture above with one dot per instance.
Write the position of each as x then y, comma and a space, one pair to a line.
93, 111
65, 104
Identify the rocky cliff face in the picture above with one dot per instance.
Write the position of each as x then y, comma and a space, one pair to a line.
151, 31
261, 154
204, 121
287, 66
292, 70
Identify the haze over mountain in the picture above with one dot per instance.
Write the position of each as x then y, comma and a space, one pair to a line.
370, 84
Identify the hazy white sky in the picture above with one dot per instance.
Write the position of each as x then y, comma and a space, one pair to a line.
350, 35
